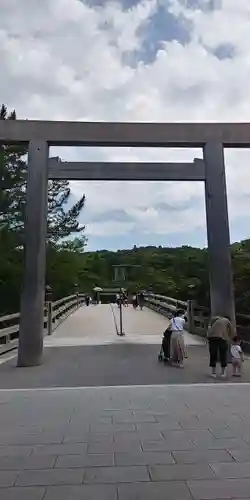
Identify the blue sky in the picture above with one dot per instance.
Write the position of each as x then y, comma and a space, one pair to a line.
134, 60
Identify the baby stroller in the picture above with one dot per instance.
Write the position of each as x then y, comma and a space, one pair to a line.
164, 354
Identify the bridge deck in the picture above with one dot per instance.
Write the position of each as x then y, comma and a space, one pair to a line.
86, 351
61, 440
97, 325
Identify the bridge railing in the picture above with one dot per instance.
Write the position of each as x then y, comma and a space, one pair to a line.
54, 314
197, 316
168, 305
164, 305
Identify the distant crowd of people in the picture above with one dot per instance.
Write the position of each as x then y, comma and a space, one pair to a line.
137, 299
224, 345
122, 298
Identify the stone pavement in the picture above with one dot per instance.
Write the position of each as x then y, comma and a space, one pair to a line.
112, 365
125, 443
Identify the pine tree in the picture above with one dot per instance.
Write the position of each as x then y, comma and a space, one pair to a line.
62, 221
13, 179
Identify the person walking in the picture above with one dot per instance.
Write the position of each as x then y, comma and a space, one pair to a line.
141, 300
125, 301
134, 301
220, 335
177, 344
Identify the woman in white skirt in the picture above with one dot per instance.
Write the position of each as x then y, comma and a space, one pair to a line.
178, 351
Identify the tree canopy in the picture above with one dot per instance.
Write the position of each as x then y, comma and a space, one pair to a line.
176, 272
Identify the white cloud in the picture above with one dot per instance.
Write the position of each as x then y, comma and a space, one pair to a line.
111, 228
63, 59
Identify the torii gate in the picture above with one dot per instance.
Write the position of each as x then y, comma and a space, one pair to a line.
40, 135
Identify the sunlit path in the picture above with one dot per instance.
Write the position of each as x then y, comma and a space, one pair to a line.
146, 326
93, 325
96, 325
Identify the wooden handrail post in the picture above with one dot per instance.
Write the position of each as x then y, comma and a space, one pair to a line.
49, 317
49, 308
190, 316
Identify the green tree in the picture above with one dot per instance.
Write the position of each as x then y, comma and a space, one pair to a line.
13, 182
76, 245
62, 220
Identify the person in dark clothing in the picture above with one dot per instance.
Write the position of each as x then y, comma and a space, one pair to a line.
220, 334
134, 301
141, 300
125, 300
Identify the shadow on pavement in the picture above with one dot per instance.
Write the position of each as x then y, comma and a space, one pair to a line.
109, 365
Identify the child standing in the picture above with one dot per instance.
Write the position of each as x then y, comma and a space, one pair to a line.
237, 357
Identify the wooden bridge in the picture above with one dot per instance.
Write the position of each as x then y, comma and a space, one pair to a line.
104, 321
